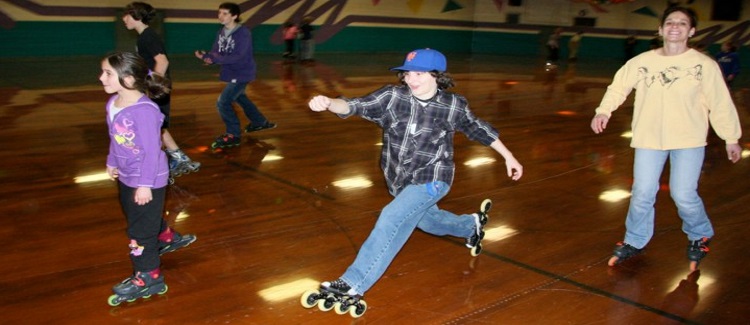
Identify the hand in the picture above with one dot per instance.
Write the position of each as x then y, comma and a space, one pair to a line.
734, 152
599, 123
143, 195
199, 54
515, 170
319, 103
112, 172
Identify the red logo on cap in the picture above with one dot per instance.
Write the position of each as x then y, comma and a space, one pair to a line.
411, 56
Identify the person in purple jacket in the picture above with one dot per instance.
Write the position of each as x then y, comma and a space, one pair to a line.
233, 50
729, 62
139, 165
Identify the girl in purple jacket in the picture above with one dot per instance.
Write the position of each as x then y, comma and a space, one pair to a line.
136, 160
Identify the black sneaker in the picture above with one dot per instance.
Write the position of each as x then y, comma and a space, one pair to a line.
250, 128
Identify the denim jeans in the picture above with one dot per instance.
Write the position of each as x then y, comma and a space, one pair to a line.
414, 207
235, 92
685, 170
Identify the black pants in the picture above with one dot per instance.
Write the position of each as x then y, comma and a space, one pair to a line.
145, 222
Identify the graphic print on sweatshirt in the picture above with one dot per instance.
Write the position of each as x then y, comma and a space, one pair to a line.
226, 44
125, 136
670, 76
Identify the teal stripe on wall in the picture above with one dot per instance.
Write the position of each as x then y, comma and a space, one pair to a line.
57, 39
49, 39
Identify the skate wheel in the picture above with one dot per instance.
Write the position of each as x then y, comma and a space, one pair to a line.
485, 206
358, 310
163, 291
340, 309
171, 181
476, 250
613, 260
326, 304
114, 300
309, 299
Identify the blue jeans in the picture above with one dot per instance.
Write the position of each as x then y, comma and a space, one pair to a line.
685, 170
414, 207
235, 92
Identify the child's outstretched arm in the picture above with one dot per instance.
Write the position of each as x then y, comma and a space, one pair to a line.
514, 168
322, 103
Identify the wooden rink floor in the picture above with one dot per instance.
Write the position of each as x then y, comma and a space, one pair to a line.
290, 207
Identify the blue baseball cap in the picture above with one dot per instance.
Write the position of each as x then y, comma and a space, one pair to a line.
423, 60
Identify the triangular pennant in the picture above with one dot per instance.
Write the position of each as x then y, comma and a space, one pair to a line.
646, 11
451, 5
415, 5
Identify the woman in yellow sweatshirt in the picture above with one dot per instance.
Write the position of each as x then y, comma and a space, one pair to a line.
678, 92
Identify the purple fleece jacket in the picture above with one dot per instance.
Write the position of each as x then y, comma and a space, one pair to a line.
135, 144
234, 52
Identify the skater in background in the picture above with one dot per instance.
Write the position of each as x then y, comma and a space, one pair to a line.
139, 165
137, 17
553, 47
233, 51
729, 62
307, 43
419, 112
679, 91
289, 32
573, 45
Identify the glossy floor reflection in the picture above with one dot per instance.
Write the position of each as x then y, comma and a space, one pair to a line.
290, 207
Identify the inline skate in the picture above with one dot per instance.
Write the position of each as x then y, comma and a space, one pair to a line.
225, 141
696, 251
139, 285
622, 252
170, 241
336, 295
180, 164
480, 219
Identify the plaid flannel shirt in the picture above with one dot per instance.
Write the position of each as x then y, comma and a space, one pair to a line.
417, 140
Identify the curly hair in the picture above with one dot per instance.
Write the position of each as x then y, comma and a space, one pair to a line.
443, 79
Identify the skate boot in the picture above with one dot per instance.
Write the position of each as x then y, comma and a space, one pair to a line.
480, 219
180, 163
170, 241
336, 295
250, 128
226, 140
139, 285
622, 252
696, 251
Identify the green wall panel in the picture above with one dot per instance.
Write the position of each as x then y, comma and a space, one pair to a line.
57, 39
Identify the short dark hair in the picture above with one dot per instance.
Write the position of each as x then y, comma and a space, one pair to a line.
687, 11
140, 11
234, 9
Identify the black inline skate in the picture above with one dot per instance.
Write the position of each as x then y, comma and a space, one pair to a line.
225, 141
180, 164
622, 252
336, 295
170, 241
480, 219
696, 251
139, 285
